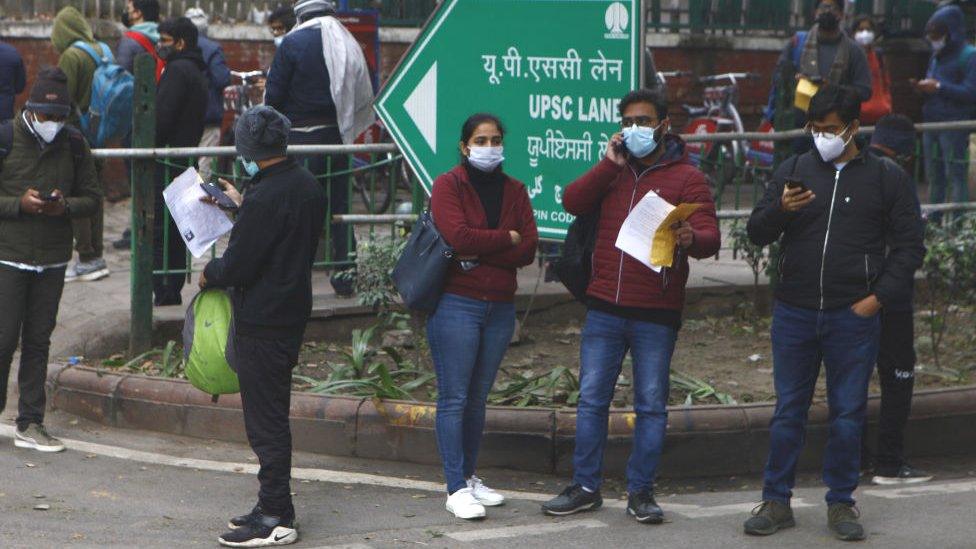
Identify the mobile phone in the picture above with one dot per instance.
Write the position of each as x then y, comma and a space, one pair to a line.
619, 147
214, 191
50, 197
792, 183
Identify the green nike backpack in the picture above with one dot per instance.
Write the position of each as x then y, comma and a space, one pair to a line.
208, 335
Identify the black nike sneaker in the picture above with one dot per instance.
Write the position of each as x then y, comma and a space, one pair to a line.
237, 522
262, 531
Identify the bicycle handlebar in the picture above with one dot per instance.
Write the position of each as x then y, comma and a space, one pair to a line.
731, 76
674, 74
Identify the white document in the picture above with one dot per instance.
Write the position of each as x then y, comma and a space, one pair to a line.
200, 224
636, 236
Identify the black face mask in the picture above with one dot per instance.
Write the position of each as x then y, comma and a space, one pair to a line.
125, 18
165, 52
828, 21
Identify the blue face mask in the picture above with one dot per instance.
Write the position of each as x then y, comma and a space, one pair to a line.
250, 166
640, 140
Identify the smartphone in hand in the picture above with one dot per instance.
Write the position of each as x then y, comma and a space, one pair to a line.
792, 183
53, 197
214, 191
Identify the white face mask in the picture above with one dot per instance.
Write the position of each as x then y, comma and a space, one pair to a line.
830, 146
486, 159
864, 37
46, 130
278, 40
937, 45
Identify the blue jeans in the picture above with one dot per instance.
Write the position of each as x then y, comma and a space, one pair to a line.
606, 339
947, 164
847, 344
468, 339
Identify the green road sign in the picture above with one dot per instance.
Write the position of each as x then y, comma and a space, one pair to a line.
552, 70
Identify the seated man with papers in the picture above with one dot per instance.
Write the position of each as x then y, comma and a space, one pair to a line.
655, 211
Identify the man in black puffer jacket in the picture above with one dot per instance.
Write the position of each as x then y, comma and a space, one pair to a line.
181, 106
836, 208
268, 263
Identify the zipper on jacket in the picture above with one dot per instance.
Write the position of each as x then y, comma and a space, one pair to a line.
867, 274
830, 217
633, 195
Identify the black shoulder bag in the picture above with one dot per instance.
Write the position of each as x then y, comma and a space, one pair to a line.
422, 268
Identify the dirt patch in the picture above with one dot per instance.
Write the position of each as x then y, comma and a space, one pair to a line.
717, 360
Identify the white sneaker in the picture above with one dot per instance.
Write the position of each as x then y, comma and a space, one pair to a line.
464, 505
485, 495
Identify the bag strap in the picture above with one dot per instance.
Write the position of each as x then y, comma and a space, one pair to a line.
87, 48
147, 45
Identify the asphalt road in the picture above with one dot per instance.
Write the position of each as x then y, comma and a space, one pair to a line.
116, 488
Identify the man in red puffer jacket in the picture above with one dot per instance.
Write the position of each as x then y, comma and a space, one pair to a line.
631, 307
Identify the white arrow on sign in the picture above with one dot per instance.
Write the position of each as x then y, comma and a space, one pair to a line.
422, 107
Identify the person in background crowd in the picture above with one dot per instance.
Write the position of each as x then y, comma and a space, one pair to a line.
47, 178
486, 216
824, 55
280, 23
866, 36
218, 76
268, 263
949, 89
181, 106
630, 306
894, 140
299, 85
851, 240
141, 18
13, 79
70, 27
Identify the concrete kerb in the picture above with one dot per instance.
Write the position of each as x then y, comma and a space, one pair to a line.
701, 440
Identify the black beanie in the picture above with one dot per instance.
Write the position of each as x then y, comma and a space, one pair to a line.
49, 94
261, 133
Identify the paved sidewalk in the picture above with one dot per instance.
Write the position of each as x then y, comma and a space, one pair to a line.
88, 301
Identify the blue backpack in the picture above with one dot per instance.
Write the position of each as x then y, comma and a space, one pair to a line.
109, 115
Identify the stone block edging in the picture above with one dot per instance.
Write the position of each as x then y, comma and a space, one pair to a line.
701, 440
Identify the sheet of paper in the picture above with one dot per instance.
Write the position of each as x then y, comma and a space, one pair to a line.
636, 236
200, 224
646, 233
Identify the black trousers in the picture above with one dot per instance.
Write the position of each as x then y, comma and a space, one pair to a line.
29, 302
336, 188
896, 371
167, 287
264, 368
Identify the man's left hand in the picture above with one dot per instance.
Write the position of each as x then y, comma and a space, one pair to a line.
867, 307
684, 235
54, 208
928, 86
203, 281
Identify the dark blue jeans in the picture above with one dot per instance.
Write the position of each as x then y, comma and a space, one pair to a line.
606, 339
947, 165
847, 344
468, 339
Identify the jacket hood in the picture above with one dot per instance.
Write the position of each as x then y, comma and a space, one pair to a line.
190, 54
954, 20
675, 151
150, 29
69, 27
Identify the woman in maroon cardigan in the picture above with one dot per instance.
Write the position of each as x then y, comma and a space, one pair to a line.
487, 218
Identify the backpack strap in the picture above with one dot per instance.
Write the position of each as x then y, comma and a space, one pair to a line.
147, 45
6, 138
100, 59
965, 55
799, 42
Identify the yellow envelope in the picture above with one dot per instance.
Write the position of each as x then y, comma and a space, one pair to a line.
805, 90
662, 251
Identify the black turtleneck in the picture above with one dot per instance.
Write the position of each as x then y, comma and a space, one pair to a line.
490, 188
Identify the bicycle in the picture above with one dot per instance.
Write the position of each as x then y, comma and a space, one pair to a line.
389, 168
247, 92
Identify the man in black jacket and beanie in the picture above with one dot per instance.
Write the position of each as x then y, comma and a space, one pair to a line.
835, 210
181, 106
268, 263
894, 142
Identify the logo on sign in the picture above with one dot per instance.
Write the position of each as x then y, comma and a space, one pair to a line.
618, 21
